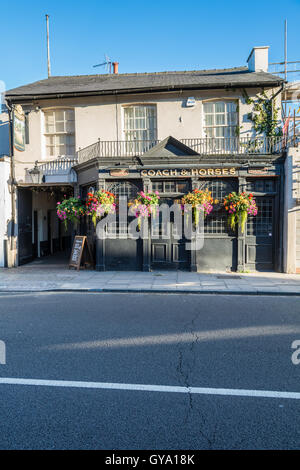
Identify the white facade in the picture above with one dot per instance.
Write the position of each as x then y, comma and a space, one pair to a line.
5, 210
103, 118
177, 114
292, 212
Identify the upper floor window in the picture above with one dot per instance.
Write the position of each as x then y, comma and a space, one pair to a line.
59, 132
140, 122
220, 119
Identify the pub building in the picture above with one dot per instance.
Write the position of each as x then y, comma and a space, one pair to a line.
173, 169
170, 132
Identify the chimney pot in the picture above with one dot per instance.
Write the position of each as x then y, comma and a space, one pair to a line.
116, 67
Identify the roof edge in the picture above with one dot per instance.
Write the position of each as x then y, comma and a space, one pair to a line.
31, 96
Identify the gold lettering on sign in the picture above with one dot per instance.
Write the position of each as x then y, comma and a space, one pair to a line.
119, 172
190, 172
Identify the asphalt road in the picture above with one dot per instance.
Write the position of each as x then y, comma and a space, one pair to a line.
227, 342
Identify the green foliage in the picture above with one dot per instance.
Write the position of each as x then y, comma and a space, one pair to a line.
70, 210
247, 99
264, 115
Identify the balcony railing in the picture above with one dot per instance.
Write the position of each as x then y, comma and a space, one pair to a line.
59, 170
207, 146
59, 166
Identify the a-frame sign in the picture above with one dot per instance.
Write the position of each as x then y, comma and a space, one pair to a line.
81, 255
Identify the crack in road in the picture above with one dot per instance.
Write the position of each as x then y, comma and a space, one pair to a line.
185, 366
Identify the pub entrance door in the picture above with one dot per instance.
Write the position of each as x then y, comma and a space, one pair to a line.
259, 238
261, 234
167, 250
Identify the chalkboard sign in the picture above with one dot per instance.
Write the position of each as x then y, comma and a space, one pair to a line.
80, 250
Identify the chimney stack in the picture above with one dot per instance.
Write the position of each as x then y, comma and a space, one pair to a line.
116, 67
258, 60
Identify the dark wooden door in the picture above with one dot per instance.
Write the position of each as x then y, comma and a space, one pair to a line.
25, 250
167, 250
260, 236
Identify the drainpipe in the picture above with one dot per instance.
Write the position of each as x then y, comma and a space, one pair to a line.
279, 91
12, 172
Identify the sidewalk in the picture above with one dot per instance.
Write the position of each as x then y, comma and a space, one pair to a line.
35, 277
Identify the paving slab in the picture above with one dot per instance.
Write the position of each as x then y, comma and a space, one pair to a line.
39, 277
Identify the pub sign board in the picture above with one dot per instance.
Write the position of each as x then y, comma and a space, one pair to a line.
19, 128
80, 245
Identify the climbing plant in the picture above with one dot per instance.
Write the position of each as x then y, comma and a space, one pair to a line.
264, 114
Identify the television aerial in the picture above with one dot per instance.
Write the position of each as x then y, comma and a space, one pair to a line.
107, 64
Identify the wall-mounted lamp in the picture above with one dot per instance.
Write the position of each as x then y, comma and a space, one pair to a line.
35, 174
10, 184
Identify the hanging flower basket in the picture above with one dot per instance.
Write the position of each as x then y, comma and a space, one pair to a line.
239, 206
70, 210
99, 204
200, 201
145, 205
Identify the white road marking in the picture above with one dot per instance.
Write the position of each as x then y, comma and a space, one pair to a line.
152, 388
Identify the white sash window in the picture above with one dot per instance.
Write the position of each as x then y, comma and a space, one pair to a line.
220, 119
59, 132
140, 122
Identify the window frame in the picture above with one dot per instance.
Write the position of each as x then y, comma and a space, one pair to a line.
226, 125
58, 133
175, 181
134, 106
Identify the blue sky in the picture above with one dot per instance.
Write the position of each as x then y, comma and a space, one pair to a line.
141, 36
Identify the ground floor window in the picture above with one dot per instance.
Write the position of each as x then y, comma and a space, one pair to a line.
123, 188
217, 221
171, 186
